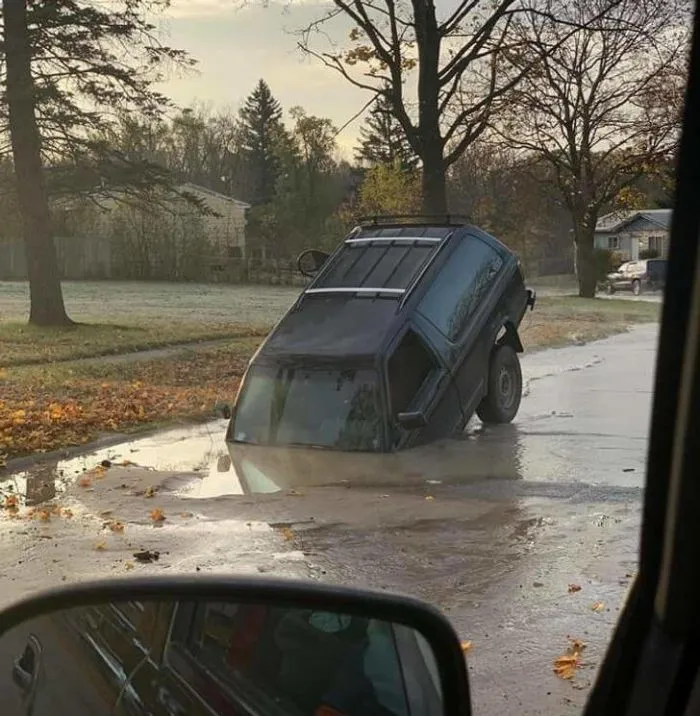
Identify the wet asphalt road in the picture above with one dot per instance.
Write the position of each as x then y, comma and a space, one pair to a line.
493, 527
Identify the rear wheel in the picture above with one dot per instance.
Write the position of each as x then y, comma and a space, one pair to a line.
505, 387
636, 287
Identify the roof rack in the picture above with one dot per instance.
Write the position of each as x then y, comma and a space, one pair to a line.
415, 219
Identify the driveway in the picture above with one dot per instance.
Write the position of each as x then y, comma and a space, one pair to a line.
499, 528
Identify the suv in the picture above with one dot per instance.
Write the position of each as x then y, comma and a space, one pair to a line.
636, 276
405, 330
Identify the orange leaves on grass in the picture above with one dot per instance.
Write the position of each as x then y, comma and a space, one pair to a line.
41, 412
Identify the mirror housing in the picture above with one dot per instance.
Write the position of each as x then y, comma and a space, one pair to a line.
310, 262
329, 641
412, 420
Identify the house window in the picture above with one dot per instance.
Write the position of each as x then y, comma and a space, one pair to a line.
613, 243
656, 243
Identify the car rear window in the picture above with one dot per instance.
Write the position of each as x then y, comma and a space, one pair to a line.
334, 408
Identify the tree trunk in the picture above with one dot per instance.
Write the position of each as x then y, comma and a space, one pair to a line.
47, 308
434, 186
585, 263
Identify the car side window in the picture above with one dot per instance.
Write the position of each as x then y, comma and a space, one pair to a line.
290, 662
460, 286
408, 367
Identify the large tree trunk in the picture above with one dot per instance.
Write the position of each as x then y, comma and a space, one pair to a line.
585, 263
47, 308
434, 186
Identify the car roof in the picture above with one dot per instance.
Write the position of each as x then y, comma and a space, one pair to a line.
346, 313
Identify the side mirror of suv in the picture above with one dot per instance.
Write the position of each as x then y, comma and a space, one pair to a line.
309, 262
412, 420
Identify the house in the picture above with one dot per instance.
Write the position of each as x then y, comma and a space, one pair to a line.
630, 232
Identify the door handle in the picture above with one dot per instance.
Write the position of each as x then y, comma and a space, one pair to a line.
170, 703
25, 670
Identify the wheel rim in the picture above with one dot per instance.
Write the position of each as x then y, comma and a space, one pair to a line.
506, 388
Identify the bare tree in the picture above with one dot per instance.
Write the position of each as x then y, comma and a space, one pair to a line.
602, 109
458, 60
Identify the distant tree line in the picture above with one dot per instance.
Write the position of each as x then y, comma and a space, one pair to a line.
533, 116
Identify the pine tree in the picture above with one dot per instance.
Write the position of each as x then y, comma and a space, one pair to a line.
261, 136
383, 141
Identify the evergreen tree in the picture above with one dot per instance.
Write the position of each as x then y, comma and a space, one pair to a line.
383, 140
262, 132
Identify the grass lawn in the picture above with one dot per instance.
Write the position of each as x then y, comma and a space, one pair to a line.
54, 405
22, 344
563, 320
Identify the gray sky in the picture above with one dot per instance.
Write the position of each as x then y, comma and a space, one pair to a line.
236, 44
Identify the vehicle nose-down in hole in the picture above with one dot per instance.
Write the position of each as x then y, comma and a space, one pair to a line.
406, 330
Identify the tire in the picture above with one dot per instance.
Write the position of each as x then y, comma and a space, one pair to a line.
505, 387
636, 287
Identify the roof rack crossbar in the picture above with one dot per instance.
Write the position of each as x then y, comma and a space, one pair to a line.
356, 289
392, 239
425, 219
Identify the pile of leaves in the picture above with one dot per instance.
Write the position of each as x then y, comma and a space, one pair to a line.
43, 409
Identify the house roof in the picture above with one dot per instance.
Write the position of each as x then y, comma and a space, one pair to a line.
189, 186
617, 220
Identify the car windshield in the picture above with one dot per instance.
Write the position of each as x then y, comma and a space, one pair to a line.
316, 407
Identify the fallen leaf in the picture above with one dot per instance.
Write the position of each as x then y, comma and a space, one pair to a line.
597, 606
146, 556
295, 493
288, 534
157, 515
44, 515
466, 645
565, 665
150, 491
430, 498
101, 546
128, 566
11, 502
573, 588
185, 515
67, 512
85, 481
116, 526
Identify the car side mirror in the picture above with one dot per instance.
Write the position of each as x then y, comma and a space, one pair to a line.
355, 647
309, 262
412, 420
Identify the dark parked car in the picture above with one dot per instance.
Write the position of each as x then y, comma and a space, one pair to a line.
638, 276
405, 331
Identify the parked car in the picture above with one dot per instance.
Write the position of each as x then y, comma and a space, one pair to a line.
405, 331
638, 276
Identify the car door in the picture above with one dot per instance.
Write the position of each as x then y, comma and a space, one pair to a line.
460, 303
418, 380
194, 673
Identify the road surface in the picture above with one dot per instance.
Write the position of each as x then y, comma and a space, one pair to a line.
498, 528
